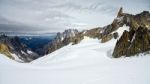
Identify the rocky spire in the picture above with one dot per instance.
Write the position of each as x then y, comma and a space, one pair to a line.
120, 13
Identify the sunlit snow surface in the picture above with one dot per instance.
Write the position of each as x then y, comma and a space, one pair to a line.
88, 62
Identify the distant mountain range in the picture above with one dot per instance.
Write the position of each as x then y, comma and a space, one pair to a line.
23, 48
27, 34
14, 49
130, 41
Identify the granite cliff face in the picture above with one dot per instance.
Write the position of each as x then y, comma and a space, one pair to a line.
132, 43
136, 40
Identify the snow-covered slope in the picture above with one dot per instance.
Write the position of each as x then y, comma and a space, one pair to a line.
88, 48
88, 62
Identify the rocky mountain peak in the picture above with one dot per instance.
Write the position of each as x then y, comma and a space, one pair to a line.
120, 12
66, 34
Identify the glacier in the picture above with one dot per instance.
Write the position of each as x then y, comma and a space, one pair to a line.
88, 62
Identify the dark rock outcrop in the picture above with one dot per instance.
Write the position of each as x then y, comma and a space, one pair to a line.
122, 45
106, 38
115, 35
137, 39
132, 43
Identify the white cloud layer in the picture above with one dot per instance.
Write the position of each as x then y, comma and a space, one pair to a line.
57, 15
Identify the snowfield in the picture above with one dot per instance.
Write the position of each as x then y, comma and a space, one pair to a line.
88, 62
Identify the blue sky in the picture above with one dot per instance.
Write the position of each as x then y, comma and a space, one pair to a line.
58, 15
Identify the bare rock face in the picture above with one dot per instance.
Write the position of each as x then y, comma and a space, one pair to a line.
140, 42
135, 21
5, 50
94, 33
106, 38
120, 13
132, 43
122, 45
